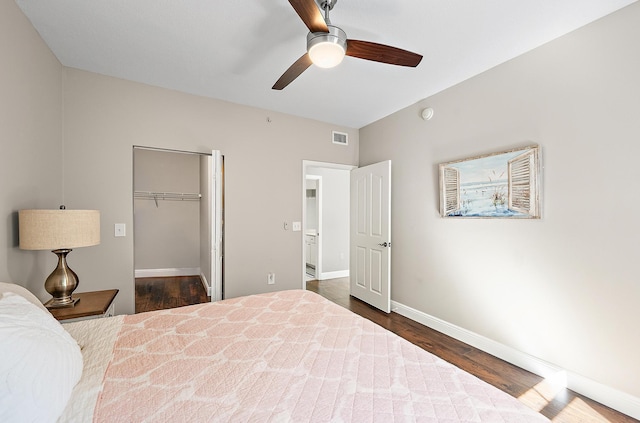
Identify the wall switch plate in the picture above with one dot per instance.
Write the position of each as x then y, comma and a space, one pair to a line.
271, 279
297, 226
120, 229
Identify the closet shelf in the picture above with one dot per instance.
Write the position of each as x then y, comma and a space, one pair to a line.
176, 196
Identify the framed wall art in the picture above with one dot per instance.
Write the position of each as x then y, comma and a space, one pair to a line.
500, 185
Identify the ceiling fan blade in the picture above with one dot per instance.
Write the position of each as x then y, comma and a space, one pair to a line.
310, 15
293, 72
382, 53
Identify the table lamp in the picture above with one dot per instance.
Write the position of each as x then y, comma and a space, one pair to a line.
59, 231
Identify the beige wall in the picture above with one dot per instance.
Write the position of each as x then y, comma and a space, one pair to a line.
564, 288
105, 117
31, 143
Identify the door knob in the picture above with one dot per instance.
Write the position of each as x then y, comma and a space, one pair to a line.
385, 244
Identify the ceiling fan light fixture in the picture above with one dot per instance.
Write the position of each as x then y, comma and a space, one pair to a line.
326, 54
327, 49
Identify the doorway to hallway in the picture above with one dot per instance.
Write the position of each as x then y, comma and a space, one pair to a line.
325, 222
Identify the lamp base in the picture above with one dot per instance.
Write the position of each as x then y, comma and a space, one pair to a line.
56, 303
61, 282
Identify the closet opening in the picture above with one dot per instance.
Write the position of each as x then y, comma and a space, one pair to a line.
178, 199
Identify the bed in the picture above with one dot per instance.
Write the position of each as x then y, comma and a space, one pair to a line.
289, 356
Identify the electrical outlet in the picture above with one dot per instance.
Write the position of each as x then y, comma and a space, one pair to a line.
271, 279
297, 226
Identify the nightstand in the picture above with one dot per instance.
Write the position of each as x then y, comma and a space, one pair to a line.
92, 305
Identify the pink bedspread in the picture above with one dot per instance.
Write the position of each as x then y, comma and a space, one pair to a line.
286, 356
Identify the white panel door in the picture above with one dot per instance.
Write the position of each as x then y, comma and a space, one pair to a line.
370, 250
216, 226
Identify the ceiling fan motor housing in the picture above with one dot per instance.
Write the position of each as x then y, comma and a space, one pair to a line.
335, 40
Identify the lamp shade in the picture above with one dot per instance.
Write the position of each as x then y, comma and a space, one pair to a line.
58, 229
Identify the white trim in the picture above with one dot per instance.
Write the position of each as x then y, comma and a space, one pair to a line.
215, 221
320, 229
618, 400
333, 275
205, 284
154, 273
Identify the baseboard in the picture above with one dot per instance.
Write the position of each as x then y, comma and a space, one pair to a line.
205, 284
613, 398
154, 273
620, 401
333, 275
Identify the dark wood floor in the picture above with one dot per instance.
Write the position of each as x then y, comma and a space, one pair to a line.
161, 293
560, 405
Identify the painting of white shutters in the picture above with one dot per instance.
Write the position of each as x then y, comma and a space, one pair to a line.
450, 180
523, 186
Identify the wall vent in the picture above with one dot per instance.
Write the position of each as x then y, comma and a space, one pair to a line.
341, 138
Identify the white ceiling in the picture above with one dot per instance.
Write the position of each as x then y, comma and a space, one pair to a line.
236, 50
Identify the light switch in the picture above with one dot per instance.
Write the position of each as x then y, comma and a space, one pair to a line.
120, 229
297, 226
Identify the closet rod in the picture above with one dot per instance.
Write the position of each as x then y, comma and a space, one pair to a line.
150, 195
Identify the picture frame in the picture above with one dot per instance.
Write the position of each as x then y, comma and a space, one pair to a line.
498, 185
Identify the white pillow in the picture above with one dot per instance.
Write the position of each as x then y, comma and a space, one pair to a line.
40, 362
23, 292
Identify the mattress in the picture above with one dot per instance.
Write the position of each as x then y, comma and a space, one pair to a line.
284, 356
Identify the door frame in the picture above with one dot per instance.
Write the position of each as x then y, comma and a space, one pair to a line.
318, 254
216, 219
306, 164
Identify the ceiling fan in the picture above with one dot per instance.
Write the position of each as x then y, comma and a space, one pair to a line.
327, 44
